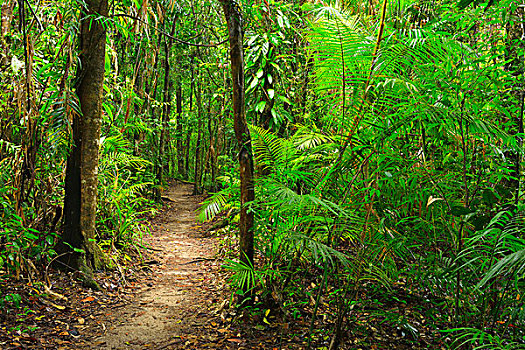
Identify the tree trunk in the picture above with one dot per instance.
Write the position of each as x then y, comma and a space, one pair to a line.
168, 43
211, 151
188, 133
80, 202
197, 175
266, 114
233, 18
180, 147
6, 16
165, 118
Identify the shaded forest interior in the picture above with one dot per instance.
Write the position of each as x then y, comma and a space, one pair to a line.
361, 161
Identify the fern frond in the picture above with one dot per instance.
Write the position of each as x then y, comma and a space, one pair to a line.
270, 151
307, 138
220, 201
320, 252
120, 159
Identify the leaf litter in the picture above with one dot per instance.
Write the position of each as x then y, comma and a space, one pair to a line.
178, 297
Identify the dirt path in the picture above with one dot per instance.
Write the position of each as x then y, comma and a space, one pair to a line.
182, 292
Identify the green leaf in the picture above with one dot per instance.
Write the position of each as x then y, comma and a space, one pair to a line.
260, 106
253, 84
280, 22
260, 73
107, 63
30, 236
271, 93
285, 99
459, 210
489, 196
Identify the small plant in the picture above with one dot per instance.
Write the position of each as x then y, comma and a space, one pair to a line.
11, 300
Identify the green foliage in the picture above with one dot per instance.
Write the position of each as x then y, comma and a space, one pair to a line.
11, 299
123, 182
479, 339
400, 164
388, 149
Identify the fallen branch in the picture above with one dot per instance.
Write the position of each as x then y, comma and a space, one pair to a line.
198, 260
218, 225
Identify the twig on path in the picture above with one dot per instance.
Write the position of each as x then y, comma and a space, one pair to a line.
154, 249
218, 225
198, 260
170, 344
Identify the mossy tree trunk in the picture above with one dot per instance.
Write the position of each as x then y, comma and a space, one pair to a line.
80, 202
6, 17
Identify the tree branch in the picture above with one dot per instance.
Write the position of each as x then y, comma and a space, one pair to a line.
169, 35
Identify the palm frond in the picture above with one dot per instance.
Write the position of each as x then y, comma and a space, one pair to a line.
121, 159
270, 151
223, 200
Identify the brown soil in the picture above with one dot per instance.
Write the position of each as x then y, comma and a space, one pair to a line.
183, 290
177, 299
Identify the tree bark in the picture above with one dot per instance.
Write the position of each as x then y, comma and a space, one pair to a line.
168, 43
266, 114
189, 131
233, 19
80, 202
197, 175
180, 147
6, 17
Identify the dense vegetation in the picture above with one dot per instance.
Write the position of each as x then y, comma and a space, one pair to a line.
387, 139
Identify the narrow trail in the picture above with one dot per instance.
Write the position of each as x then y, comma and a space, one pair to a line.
183, 289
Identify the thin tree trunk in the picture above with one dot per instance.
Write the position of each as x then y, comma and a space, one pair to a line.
180, 147
168, 43
155, 78
188, 133
137, 109
233, 18
80, 202
197, 176
211, 151
266, 114
5, 26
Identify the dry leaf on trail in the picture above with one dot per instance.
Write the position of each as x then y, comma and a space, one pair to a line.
87, 300
234, 340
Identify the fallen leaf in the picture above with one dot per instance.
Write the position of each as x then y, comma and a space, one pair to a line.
88, 299
234, 340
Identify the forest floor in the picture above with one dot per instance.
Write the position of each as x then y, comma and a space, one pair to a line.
175, 304
176, 295
177, 298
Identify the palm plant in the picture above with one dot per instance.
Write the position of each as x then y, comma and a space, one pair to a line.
123, 181
401, 95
